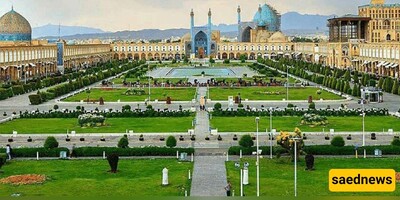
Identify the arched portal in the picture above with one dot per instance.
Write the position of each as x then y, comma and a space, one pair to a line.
246, 34
201, 44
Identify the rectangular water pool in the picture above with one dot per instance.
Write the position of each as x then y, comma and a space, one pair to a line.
186, 72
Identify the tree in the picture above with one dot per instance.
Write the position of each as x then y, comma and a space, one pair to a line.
243, 58
346, 87
380, 83
287, 140
246, 141
171, 141
395, 88
355, 88
55, 107
50, 143
123, 142
355, 77
347, 76
88, 95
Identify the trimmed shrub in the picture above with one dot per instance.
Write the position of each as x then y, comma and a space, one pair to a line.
50, 143
113, 162
395, 142
18, 89
311, 106
35, 99
246, 141
337, 141
217, 106
123, 142
3, 158
171, 141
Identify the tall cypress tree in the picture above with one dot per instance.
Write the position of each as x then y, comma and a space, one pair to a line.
347, 76
380, 83
355, 77
395, 89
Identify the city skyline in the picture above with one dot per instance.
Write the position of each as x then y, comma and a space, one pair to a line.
156, 14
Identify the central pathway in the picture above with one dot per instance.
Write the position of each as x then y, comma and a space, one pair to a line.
209, 173
209, 176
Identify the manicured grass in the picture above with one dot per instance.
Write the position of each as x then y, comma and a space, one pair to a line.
113, 125
146, 81
277, 177
113, 95
260, 93
248, 124
90, 178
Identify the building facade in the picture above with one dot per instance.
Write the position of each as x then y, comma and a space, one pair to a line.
22, 58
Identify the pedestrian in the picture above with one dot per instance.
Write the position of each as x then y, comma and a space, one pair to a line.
8, 151
228, 189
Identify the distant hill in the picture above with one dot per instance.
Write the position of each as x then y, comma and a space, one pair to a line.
294, 20
51, 30
293, 23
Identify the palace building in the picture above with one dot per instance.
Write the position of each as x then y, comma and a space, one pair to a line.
368, 42
22, 58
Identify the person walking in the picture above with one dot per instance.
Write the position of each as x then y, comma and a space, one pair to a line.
8, 151
228, 189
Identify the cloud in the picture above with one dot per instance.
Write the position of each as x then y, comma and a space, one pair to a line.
116, 15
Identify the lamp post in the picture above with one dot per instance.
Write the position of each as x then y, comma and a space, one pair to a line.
295, 165
258, 160
148, 66
363, 127
287, 83
270, 133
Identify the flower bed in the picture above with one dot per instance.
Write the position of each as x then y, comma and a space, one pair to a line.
28, 179
314, 120
91, 120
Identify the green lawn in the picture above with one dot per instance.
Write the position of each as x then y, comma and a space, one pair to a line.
261, 93
176, 94
146, 81
248, 124
113, 125
90, 178
277, 177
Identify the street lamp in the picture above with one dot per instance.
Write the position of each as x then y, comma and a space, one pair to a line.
270, 133
258, 160
148, 72
287, 83
295, 165
363, 127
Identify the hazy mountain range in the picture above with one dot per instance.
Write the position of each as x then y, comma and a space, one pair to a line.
293, 23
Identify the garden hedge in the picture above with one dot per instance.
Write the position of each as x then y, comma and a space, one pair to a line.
145, 151
321, 150
31, 152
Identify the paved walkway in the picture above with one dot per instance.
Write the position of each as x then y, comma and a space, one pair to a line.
209, 176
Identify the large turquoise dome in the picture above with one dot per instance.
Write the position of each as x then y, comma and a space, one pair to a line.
14, 27
268, 17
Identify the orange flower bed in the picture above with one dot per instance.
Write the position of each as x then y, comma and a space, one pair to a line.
27, 179
398, 177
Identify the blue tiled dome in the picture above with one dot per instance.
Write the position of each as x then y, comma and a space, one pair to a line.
269, 17
14, 27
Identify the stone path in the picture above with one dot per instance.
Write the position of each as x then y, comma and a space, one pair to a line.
209, 176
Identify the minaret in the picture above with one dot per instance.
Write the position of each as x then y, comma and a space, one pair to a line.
239, 21
192, 30
209, 33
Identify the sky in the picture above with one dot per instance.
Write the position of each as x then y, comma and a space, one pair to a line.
119, 15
